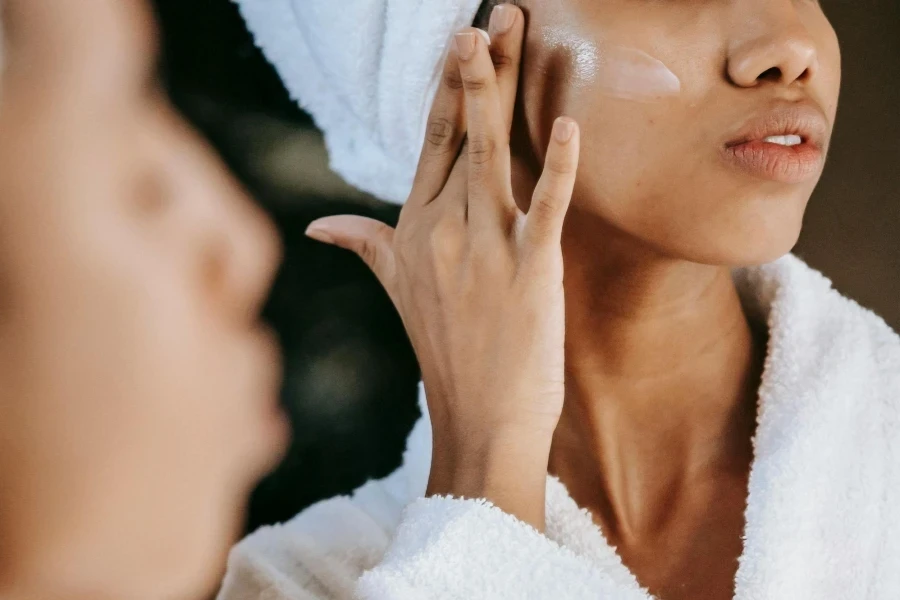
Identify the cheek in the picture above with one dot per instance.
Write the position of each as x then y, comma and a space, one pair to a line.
652, 168
827, 83
830, 61
633, 149
648, 175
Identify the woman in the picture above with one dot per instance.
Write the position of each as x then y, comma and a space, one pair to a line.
137, 385
138, 388
710, 433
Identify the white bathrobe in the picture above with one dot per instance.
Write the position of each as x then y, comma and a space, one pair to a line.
823, 511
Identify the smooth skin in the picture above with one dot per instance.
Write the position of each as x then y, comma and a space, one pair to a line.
661, 364
461, 250
138, 388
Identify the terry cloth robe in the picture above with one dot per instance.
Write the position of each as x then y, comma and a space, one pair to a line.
822, 520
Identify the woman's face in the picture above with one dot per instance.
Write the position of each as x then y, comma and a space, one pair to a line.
138, 388
676, 99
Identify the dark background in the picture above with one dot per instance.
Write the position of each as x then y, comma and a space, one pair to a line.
351, 377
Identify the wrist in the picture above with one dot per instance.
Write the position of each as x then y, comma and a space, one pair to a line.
507, 468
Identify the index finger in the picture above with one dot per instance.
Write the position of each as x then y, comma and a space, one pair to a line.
444, 134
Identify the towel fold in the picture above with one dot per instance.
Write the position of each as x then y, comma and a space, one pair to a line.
367, 72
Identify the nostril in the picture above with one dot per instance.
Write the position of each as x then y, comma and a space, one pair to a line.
773, 74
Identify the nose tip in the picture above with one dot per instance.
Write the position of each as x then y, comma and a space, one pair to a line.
784, 56
801, 62
244, 260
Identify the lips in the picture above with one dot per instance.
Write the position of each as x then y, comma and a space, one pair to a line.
767, 146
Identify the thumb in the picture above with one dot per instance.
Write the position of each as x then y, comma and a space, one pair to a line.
371, 240
553, 193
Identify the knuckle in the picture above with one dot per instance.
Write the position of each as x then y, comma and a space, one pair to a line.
488, 261
502, 61
560, 168
543, 205
482, 149
444, 239
368, 251
440, 134
474, 83
453, 80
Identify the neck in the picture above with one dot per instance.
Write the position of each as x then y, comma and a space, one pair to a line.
662, 371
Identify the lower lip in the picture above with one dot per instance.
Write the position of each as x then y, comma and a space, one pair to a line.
784, 164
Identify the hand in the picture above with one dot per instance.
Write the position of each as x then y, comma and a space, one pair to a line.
479, 284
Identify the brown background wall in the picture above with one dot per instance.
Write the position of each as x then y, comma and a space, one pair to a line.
852, 230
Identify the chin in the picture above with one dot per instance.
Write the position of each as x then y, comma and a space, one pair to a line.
761, 233
750, 249
768, 239
752, 243
195, 563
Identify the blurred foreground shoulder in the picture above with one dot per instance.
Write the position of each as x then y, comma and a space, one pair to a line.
323, 551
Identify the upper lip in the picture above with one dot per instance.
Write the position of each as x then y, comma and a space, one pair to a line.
803, 119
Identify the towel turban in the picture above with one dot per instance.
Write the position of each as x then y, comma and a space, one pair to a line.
367, 72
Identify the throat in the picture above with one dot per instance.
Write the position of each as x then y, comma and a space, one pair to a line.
659, 416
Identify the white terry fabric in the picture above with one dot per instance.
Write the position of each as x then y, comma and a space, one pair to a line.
367, 71
823, 514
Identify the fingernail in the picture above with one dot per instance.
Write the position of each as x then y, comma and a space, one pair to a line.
563, 130
318, 233
502, 18
465, 44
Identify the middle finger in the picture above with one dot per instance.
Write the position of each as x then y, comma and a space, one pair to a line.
487, 149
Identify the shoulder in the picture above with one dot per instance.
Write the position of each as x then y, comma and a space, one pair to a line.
821, 331
325, 549
832, 376
854, 349
855, 357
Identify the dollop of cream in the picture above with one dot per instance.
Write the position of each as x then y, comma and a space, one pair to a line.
617, 71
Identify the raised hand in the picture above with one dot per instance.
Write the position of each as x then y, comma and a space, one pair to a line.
477, 282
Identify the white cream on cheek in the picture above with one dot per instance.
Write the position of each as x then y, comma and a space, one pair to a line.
617, 71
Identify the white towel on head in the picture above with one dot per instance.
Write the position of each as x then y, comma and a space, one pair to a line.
367, 71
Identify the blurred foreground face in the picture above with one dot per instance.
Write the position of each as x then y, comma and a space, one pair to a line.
138, 390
